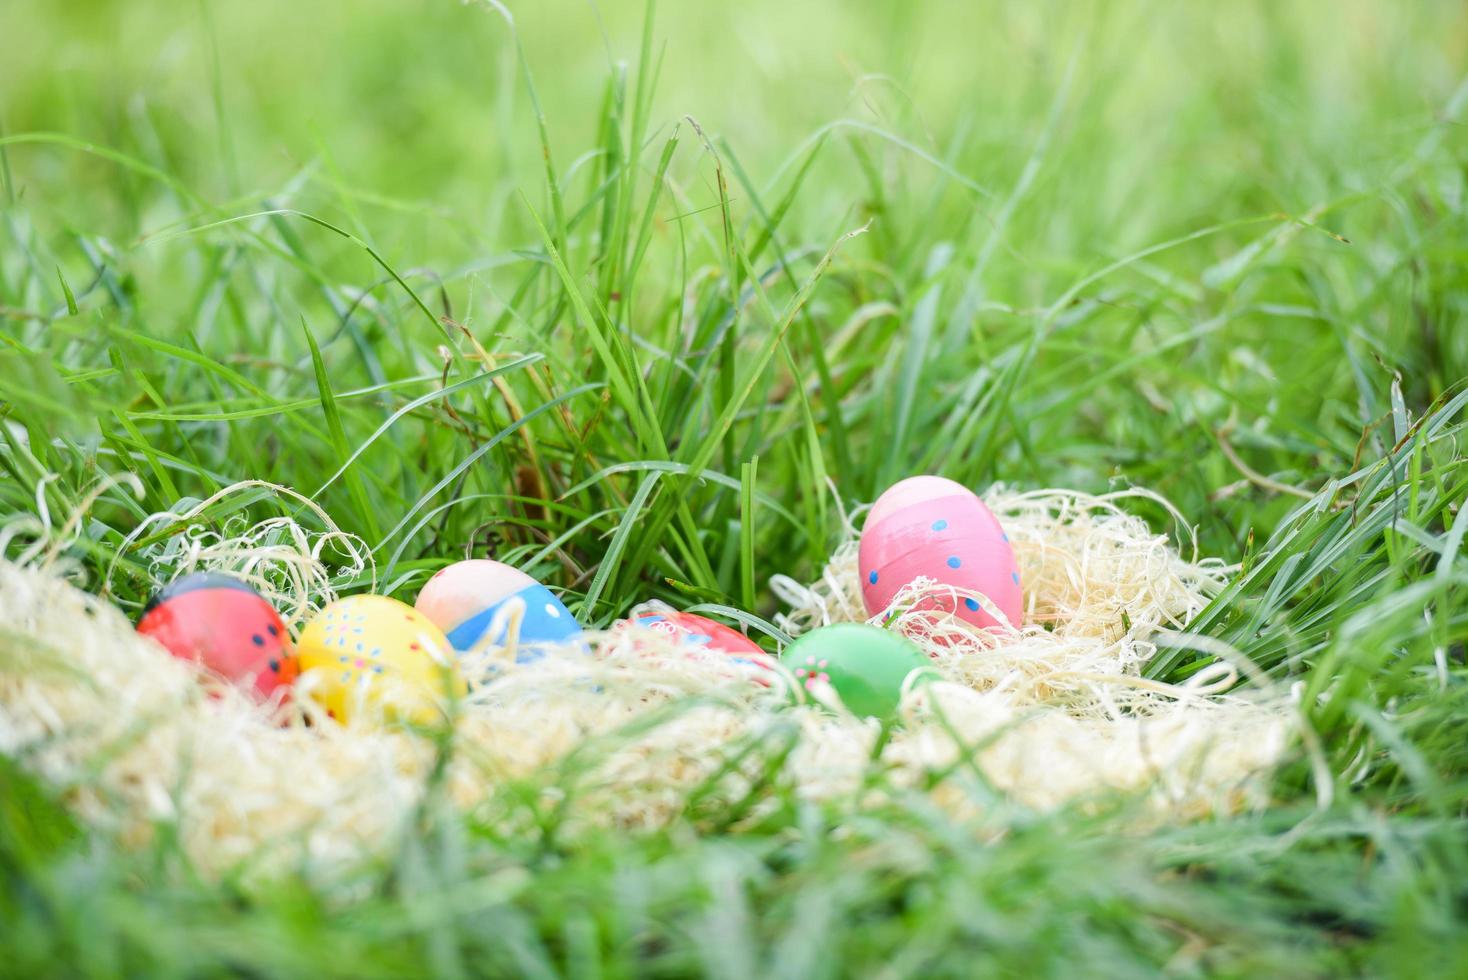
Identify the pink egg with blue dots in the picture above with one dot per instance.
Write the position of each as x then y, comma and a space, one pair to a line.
478, 601
928, 526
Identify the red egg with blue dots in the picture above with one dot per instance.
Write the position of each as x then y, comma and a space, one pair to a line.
932, 527
222, 623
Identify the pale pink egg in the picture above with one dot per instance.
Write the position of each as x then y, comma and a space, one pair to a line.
928, 526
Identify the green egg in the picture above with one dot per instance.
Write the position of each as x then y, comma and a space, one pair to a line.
866, 665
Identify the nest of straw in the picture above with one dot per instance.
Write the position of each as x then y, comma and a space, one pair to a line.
1050, 712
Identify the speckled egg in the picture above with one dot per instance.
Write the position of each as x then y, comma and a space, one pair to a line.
369, 654
933, 527
224, 624
866, 666
465, 598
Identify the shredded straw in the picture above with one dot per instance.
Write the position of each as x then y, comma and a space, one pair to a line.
1049, 712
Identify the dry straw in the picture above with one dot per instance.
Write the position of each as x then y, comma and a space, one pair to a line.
1051, 712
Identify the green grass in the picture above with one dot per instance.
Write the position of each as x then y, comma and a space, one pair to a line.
558, 307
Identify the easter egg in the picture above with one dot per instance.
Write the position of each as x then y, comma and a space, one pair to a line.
465, 598
697, 631
376, 655
865, 665
224, 624
932, 527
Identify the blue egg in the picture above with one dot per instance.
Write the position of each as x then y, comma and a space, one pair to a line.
466, 598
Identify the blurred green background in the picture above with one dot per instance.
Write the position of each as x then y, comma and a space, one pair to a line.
1003, 153
1266, 105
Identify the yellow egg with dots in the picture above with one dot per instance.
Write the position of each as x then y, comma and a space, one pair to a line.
372, 657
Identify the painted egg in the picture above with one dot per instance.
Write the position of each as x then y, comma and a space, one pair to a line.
697, 631
224, 624
465, 599
376, 655
933, 527
865, 665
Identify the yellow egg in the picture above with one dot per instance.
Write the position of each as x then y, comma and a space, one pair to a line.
368, 655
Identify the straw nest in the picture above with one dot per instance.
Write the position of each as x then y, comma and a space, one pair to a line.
1054, 711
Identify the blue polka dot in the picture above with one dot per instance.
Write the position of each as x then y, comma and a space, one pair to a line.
972, 604
697, 638
940, 525
1015, 577
872, 578
1004, 536
258, 640
953, 561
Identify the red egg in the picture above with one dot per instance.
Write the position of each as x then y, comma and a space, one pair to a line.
696, 631
222, 623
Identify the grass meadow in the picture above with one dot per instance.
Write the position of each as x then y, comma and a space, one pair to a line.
652, 297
